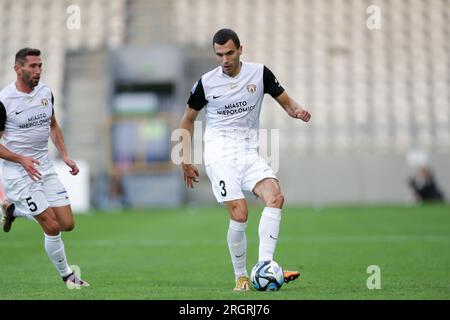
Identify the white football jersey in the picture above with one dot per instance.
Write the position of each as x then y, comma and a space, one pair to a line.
25, 122
233, 106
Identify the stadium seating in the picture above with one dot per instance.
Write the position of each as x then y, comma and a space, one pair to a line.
384, 90
321, 51
345, 73
42, 23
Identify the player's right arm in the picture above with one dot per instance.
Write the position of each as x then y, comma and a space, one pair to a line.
196, 102
190, 171
26, 162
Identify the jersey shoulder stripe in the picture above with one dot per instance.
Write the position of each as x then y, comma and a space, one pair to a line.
2, 117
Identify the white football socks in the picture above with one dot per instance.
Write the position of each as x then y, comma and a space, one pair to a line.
269, 226
237, 243
55, 250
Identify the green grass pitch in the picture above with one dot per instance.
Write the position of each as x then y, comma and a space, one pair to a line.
182, 254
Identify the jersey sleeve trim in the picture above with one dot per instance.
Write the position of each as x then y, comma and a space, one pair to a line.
2, 117
197, 100
271, 84
53, 104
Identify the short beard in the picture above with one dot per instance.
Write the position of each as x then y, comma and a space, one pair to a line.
29, 82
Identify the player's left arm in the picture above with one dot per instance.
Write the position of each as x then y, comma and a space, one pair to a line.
292, 107
58, 140
274, 88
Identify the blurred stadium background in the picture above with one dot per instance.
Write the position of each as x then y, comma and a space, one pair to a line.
380, 104
380, 99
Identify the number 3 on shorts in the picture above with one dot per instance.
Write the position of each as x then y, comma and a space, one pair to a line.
224, 191
31, 204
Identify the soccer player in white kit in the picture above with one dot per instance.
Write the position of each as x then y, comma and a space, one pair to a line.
232, 95
27, 120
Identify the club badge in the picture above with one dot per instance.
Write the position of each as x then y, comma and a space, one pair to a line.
251, 88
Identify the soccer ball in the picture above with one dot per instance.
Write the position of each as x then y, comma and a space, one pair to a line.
267, 276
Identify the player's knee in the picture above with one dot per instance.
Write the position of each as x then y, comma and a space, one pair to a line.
68, 226
239, 215
240, 218
52, 228
275, 201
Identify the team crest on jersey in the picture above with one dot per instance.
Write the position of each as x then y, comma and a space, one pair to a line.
44, 102
251, 88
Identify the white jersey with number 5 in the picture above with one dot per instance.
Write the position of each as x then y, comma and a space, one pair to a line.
25, 122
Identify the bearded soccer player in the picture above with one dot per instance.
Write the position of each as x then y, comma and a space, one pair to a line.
32, 187
232, 96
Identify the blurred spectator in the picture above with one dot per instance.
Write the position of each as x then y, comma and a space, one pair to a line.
424, 186
116, 192
112, 195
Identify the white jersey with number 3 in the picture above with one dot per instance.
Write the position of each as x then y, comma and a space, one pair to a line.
233, 106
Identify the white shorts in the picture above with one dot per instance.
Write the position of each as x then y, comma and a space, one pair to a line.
33, 197
229, 178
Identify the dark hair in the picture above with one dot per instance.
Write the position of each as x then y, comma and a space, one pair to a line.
22, 54
224, 35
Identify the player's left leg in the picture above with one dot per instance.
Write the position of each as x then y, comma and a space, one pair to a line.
65, 220
59, 201
54, 246
268, 190
64, 216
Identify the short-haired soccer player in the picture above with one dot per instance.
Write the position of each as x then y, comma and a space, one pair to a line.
32, 187
232, 96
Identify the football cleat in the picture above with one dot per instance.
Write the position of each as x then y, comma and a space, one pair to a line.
72, 281
7, 215
290, 275
242, 284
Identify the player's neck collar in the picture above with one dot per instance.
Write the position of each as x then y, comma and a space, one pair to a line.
23, 92
241, 66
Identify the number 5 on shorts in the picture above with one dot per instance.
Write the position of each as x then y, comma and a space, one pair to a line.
224, 191
31, 204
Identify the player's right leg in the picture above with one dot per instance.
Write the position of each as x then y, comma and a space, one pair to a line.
7, 217
225, 181
31, 202
237, 241
7, 210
